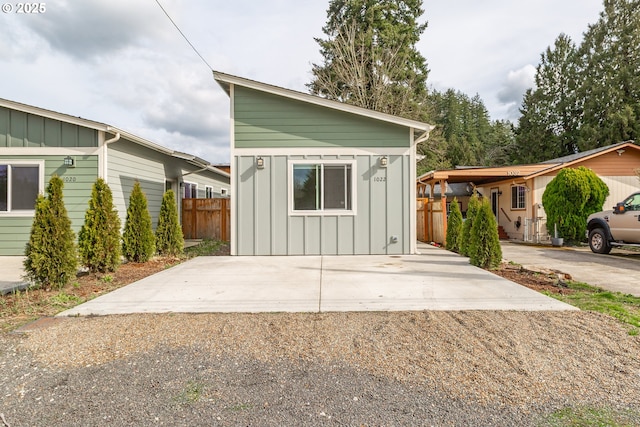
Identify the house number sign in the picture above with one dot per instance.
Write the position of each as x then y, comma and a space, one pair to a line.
380, 179
69, 179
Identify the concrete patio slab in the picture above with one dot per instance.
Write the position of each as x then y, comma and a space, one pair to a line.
434, 280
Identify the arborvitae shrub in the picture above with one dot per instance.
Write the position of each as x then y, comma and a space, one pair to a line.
570, 198
169, 238
465, 239
454, 227
99, 238
137, 240
51, 257
484, 248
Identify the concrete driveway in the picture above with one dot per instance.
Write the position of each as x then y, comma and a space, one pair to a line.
435, 280
618, 271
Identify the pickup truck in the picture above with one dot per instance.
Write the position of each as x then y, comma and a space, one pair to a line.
619, 227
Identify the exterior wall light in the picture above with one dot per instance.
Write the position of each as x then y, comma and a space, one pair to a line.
260, 163
69, 162
384, 161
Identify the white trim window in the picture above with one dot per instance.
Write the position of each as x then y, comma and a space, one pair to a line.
319, 187
518, 196
20, 183
208, 192
224, 192
189, 190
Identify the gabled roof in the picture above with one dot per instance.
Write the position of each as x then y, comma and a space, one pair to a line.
226, 80
482, 175
589, 153
196, 161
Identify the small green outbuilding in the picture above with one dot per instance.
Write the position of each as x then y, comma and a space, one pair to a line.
310, 176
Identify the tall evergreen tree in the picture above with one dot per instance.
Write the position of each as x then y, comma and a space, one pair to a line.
138, 241
99, 237
550, 114
51, 258
370, 58
610, 83
169, 238
586, 97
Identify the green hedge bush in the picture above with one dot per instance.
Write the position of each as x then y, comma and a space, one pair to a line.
484, 248
51, 256
570, 198
454, 227
99, 238
169, 237
138, 242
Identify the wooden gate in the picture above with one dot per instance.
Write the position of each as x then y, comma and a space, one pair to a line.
431, 220
206, 219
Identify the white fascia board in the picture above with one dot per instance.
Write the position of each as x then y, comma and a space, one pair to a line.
312, 99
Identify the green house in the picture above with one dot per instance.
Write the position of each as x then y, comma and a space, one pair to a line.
36, 144
310, 176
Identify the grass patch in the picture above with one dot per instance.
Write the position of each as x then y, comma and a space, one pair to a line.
589, 416
192, 393
207, 247
623, 307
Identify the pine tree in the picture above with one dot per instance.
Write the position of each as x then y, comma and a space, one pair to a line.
137, 240
465, 238
169, 238
99, 238
51, 257
454, 227
484, 248
370, 57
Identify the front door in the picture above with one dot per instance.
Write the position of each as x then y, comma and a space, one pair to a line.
495, 206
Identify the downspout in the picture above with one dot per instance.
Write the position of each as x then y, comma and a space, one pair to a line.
104, 155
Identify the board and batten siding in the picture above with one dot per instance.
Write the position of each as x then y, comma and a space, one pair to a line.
264, 120
78, 182
265, 226
282, 130
20, 129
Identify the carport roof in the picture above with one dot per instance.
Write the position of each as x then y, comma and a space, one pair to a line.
481, 175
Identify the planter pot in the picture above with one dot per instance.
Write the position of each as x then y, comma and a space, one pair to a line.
557, 241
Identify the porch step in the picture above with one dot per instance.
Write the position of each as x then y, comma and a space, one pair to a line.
502, 235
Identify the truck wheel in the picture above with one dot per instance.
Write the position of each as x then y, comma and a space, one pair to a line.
598, 241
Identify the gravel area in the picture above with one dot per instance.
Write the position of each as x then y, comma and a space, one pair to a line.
413, 368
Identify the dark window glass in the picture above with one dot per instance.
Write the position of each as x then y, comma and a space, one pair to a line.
4, 187
24, 187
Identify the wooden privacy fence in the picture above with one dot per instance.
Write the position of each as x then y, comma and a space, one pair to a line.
206, 219
431, 223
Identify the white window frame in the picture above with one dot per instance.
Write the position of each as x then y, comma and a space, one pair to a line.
208, 192
224, 192
184, 189
25, 212
321, 212
519, 198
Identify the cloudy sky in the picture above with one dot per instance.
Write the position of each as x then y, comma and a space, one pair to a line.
122, 62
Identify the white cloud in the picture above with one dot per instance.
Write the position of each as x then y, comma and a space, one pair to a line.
513, 88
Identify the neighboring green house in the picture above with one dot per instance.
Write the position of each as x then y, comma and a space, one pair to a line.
36, 144
311, 176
